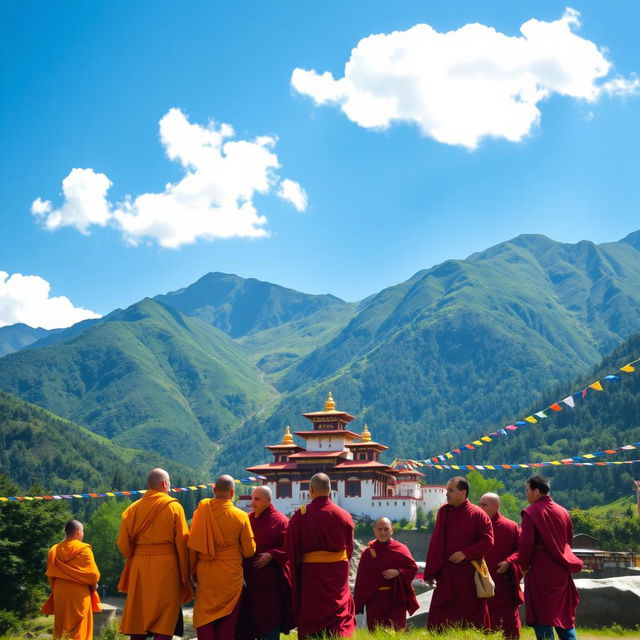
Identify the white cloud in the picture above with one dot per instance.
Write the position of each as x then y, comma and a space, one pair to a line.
214, 198
461, 86
26, 299
292, 192
85, 202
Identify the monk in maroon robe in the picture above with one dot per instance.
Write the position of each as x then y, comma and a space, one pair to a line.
383, 581
462, 533
319, 543
545, 556
266, 601
503, 607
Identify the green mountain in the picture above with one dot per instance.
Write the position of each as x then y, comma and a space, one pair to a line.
465, 345
39, 447
276, 326
145, 377
17, 336
602, 420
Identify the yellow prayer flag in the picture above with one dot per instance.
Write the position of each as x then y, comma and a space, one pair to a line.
449, 455
489, 466
486, 438
597, 386
477, 443
589, 455
556, 462
455, 466
627, 368
530, 419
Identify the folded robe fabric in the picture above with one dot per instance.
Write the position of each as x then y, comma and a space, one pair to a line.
387, 601
465, 528
321, 599
546, 558
72, 573
153, 539
219, 539
266, 600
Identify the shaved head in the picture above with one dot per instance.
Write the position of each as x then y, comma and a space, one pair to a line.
320, 485
74, 529
158, 480
260, 499
225, 486
490, 503
383, 529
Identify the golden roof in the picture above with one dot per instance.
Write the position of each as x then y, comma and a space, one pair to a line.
287, 438
365, 436
329, 404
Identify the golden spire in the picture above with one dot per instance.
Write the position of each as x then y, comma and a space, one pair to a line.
365, 436
329, 404
287, 438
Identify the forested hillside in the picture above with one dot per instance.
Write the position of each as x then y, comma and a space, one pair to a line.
38, 447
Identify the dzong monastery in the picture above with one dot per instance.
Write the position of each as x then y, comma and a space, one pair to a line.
364, 486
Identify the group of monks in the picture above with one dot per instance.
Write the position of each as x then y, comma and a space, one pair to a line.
261, 574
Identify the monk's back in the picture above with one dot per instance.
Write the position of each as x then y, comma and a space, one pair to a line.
161, 530
325, 527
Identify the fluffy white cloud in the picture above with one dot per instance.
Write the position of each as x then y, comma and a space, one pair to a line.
214, 198
292, 192
461, 86
85, 202
26, 299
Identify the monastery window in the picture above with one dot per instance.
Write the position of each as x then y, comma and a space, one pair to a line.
352, 488
304, 486
283, 488
363, 456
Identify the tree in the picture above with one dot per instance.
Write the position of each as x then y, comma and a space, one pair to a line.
510, 506
27, 531
102, 533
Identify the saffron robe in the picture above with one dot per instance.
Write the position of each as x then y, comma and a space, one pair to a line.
387, 601
266, 600
153, 539
219, 539
321, 600
545, 556
72, 574
503, 607
465, 528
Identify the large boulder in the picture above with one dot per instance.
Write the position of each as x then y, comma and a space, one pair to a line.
609, 600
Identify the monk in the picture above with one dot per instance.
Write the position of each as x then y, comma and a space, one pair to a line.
383, 581
220, 538
503, 607
266, 601
73, 578
462, 533
319, 543
545, 555
153, 540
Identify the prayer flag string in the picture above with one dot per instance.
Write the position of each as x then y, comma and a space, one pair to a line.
118, 494
569, 401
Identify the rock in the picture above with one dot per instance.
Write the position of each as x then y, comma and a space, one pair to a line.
421, 616
607, 601
104, 618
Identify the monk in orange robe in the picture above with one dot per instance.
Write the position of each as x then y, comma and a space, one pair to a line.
219, 539
153, 539
319, 543
383, 581
73, 577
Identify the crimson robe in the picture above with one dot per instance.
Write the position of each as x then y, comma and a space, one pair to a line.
465, 528
387, 601
266, 601
320, 596
545, 556
503, 607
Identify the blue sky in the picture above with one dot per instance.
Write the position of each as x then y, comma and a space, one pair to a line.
85, 86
